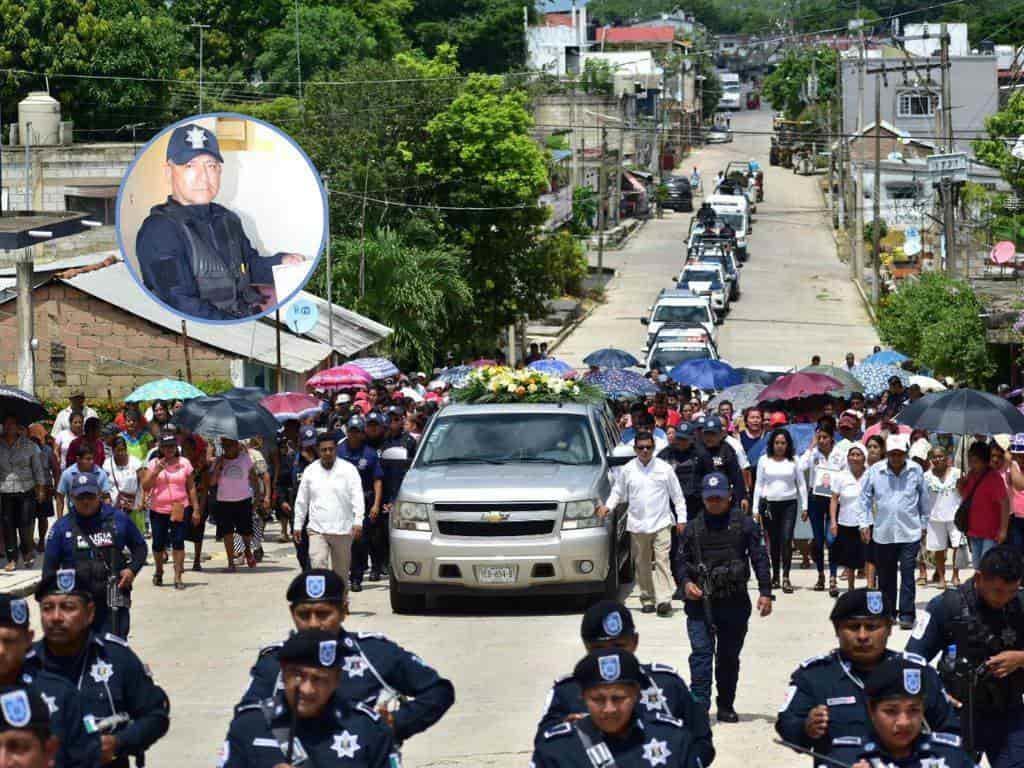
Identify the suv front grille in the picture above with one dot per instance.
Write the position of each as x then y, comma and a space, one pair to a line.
496, 506
508, 528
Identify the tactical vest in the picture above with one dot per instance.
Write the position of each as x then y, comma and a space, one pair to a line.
100, 556
221, 274
687, 468
723, 552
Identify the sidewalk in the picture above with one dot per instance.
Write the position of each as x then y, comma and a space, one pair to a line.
21, 583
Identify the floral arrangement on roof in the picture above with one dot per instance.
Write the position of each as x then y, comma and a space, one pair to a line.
500, 384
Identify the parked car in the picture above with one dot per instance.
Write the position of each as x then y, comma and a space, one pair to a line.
718, 136
680, 194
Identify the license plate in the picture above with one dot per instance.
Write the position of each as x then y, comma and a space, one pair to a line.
496, 574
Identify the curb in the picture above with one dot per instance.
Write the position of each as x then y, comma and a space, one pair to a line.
568, 329
857, 283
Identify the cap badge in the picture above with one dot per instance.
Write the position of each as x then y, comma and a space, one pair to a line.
712, 481
875, 602
196, 137
609, 668
316, 586
101, 671
612, 624
17, 711
82, 479
912, 681
66, 579
328, 652
19, 611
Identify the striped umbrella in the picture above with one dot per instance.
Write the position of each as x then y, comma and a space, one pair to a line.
377, 367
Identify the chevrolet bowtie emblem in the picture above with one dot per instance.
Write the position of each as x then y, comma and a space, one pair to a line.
495, 517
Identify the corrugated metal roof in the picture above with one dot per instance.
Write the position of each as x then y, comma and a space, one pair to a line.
352, 332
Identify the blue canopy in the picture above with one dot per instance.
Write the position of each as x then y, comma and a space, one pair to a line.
610, 357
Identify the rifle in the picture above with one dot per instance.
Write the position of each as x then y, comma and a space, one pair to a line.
810, 752
702, 573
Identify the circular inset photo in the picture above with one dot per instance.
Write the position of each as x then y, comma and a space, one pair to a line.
221, 218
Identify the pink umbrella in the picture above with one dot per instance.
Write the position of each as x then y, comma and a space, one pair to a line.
292, 405
798, 384
483, 363
341, 377
1003, 252
874, 429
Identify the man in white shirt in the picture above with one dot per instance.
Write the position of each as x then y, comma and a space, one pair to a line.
63, 420
648, 484
330, 497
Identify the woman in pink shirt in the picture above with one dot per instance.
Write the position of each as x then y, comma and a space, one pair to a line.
170, 486
232, 477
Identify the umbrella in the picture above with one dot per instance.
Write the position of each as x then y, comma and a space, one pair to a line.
802, 435
799, 384
164, 389
412, 394
21, 405
340, 377
706, 374
850, 382
483, 362
609, 357
875, 376
293, 405
455, 376
874, 429
215, 417
885, 357
927, 383
553, 367
757, 376
377, 367
963, 412
252, 394
615, 382
742, 396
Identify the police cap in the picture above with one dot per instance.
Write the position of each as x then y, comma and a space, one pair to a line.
307, 437
714, 484
861, 604
319, 585
22, 708
13, 612
356, 422
713, 424
310, 648
895, 678
66, 581
685, 430
85, 484
607, 620
613, 665
375, 417
191, 140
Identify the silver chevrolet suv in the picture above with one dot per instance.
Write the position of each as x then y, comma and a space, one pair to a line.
501, 499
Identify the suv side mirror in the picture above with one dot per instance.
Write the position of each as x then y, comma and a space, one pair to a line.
645, 321
617, 461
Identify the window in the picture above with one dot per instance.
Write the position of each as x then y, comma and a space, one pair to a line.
917, 104
903, 191
58, 360
99, 208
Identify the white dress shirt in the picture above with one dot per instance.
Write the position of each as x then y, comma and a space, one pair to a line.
648, 488
331, 499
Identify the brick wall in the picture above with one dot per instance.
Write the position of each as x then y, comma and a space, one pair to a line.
62, 166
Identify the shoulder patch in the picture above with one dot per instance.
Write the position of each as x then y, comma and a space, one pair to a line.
661, 717
820, 658
115, 639
370, 635
657, 667
916, 658
559, 730
849, 741
272, 648
246, 707
950, 739
368, 711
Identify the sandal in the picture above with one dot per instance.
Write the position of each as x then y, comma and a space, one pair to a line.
922, 582
955, 582
787, 587
941, 586
820, 585
833, 589
197, 566
250, 560
158, 579
179, 584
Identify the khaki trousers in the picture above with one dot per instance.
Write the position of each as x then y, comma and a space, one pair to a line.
331, 550
653, 570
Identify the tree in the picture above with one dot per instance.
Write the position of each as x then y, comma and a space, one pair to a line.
785, 87
488, 34
995, 150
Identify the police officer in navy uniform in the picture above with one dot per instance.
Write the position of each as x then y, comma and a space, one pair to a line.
119, 699
716, 554
305, 456
194, 254
825, 699
609, 624
896, 692
26, 736
95, 535
77, 749
373, 669
311, 720
355, 450
979, 629
614, 732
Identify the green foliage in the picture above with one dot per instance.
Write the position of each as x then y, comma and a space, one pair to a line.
995, 151
566, 263
214, 386
284, 111
936, 321
584, 210
869, 231
488, 34
711, 88
782, 88
597, 77
613, 11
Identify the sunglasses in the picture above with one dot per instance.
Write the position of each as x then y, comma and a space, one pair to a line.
645, 447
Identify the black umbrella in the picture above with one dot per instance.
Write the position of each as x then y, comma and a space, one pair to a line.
227, 417
963, 412
20, 404
757, 376
252, 394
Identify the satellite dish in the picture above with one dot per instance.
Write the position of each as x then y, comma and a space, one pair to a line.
301, 316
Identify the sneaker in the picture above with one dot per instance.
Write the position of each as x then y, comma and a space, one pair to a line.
775, 584
727, 715
664, 609
787, 587
11, 566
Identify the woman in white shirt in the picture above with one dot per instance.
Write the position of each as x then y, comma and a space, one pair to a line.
125, 472
823, 463
846, 513
943, 500
64, 438
780, 493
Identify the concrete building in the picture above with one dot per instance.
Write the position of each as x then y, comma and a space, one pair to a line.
554, 46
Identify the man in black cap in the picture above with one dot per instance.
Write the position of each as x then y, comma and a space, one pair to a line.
374, 669
608, 625
719, 456
896, 694
26, 739
95, 535
355, 450
684, 454
614, 731
713, 566
304, 456
194, 254
77, 748
825, 701
119, 699
310, 721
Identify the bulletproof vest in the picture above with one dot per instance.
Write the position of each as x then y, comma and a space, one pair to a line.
218, 267
723, 553
722, 456
687, 469
99, 555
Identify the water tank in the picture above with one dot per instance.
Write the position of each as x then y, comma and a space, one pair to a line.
43, 112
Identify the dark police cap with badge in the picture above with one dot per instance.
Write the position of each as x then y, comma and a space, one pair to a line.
310, 648
356, 422
85, 484
65, 581
21, 708
606, 667
895, 678
606, 620
861, 604
375, 417
319, 585
713, 424
685, 430
307, 437
189, 141
714, 484
13, 612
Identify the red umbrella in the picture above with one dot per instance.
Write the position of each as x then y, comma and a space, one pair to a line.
799, 384
874, 429
292, 405
483, 363
342, 377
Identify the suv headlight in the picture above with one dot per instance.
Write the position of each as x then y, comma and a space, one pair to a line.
412, 516
581, 514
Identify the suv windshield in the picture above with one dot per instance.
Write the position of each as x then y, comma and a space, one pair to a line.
702, 276
667, 359
734, 220
668, 313
554, 438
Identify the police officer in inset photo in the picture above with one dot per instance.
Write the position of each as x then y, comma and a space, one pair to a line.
825, 703
896, 693
713, 566
614, 732
194, 254
26, 740
979, 629
608, 625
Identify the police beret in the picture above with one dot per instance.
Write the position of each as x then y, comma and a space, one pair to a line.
375, 417
66, 581
22, 708
191, 140
319, 585
714, 484
13, 611
607, 620
895, 678
607, 666
85, 484
861, 603
310, 648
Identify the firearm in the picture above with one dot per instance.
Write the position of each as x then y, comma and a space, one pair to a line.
705, 585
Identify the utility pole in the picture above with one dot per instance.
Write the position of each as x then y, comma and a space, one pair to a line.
947, 106
842, 146
602, 194
200, 27
946, 189
362, 236
298, 53
330, 276
188, 354
858, 202
876, 198
617, 188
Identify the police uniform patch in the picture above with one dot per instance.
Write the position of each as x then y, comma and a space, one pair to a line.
354, 666
921, 625
657, 752
17, 711
840, 741
101, 671
345, 744
19, 611
609, 668
66, 579
916, 658
653, 698
612, 624
912, 681
814, 659
196, 137
559, 730
315, 587
950, 739
659, 667
875, 602
328, 652
116, 639
790, 693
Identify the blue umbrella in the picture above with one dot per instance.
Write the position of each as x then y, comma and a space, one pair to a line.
252, 394
885, 357
609, 357
456, 376
164, 389
552, 367
706, 374
618, 383
875, 377
377, 367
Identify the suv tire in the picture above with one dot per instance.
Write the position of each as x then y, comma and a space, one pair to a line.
403, 604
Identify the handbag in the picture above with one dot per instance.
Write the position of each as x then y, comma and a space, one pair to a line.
960, 518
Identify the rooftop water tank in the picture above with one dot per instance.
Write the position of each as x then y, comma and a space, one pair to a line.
39, 119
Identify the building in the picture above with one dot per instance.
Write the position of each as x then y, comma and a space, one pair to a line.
923, 39
554, 46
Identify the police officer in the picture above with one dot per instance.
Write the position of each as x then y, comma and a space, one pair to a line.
614, 732
608, 625
95, 536
77, 748
305, 456
26, 736
896, 692
825, 699
376, 431
713, 566
979, 628
706, 215
684, 454
119, 699
719, 456
311, 720
194, 254
373, 669
355, 450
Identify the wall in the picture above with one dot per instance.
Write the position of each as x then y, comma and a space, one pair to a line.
581, 112
62, 166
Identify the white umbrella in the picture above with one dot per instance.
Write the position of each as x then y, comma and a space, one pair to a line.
412, 394
927, 383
